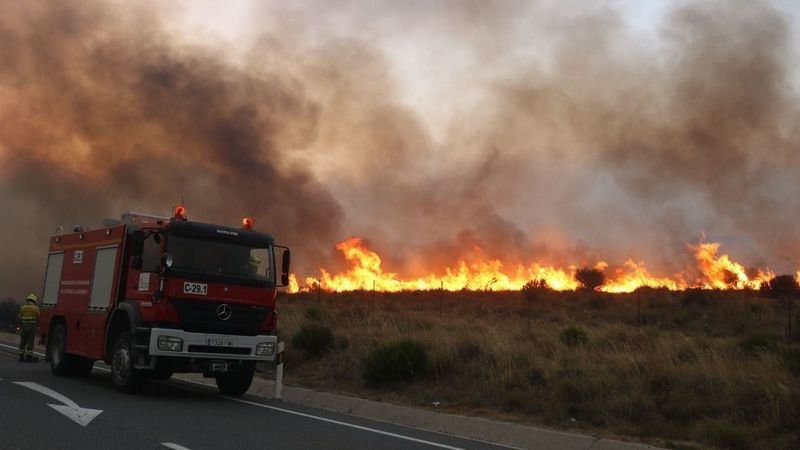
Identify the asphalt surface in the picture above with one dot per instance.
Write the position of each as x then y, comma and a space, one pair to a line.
179, 415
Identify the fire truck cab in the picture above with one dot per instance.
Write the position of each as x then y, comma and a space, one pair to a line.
152, 296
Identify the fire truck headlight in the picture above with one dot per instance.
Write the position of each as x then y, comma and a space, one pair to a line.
170, 344
265, 349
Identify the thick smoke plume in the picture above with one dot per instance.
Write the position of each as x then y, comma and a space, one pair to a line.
566, 141
102, 113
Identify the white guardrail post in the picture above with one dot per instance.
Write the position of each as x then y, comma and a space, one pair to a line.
279, 371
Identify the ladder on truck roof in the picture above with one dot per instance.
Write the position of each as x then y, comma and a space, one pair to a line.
132, 218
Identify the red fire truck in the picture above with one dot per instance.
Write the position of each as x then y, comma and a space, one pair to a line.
152, 296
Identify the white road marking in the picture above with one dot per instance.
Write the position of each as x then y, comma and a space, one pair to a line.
81, 416
337, 422
345, 424
17, 349
174, 446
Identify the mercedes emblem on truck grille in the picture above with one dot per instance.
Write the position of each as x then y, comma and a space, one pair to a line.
224, 311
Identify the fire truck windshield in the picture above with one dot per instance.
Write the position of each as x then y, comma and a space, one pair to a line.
221, 261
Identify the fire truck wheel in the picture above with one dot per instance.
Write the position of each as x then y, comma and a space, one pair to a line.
236, 382
61, 362
125, 377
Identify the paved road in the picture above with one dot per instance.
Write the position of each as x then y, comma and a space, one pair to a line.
177, 415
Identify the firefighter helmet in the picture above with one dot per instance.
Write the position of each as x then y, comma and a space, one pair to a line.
32, 298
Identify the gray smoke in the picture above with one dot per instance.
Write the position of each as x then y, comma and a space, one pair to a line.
589, 146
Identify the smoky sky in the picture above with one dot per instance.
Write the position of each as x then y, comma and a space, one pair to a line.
589, 146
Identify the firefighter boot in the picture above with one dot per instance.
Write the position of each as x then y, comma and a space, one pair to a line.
21, 357
31, 358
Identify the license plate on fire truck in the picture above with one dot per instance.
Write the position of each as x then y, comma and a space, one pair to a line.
220, 342
195, 288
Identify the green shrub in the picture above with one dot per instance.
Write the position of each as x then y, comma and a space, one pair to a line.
468, 350
404, 360
758, 343
574, 335
726, 435
686, 354
791, 359
314, 339
536, 377
763, 402
314, 314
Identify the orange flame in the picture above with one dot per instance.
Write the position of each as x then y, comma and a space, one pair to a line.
366, 272
719, 272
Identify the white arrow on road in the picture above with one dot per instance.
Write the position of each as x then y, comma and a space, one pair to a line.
81, 416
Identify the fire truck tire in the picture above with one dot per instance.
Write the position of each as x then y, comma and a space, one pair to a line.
61, 363
125, 377
236, 382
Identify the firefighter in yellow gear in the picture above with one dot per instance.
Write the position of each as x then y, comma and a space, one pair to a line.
252, 263
29, 316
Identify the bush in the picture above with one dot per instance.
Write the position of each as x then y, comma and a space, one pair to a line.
791, 359
534, 290
536, 377
573, 335
727, 435
686, 354
404, 360
314, 314
589, 278
468, 350
758, 343
781, 286
314, 339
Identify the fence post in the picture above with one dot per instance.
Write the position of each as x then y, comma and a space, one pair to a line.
638, 308
530, 307
279, 371
441, 299
789, 301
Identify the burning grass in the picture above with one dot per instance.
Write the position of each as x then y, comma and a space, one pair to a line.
712, 372
714, 270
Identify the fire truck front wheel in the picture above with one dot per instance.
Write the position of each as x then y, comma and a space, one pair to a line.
237, 381
63, 363
125, 377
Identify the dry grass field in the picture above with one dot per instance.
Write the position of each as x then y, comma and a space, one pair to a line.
705, 369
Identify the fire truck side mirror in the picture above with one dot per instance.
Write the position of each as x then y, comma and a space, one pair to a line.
287, 257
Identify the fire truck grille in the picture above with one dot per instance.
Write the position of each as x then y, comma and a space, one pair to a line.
221, 350
205, 317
